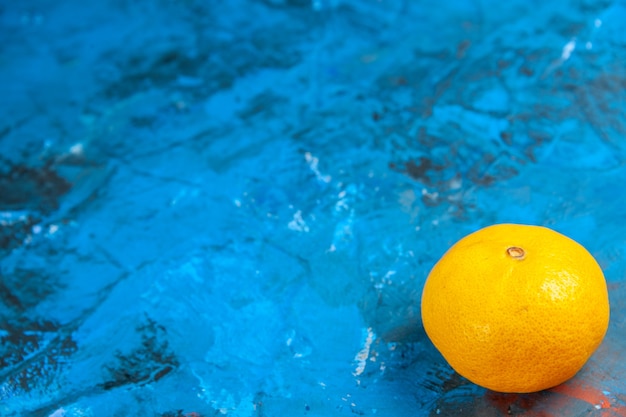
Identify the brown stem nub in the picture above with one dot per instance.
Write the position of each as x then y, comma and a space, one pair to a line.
516, 252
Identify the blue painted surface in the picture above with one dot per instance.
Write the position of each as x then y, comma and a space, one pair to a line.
230, 208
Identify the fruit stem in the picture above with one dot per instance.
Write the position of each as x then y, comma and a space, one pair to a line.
516, 252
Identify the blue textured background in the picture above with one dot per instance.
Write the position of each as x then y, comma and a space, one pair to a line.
230, 207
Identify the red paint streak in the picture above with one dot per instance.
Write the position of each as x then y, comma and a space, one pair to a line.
552, 402
584, 393
593, 396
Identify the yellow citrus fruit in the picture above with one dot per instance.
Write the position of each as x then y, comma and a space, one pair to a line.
516, 308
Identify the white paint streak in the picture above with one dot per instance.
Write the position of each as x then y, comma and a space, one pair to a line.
568, 49
313, 165
361, 357
297, 223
